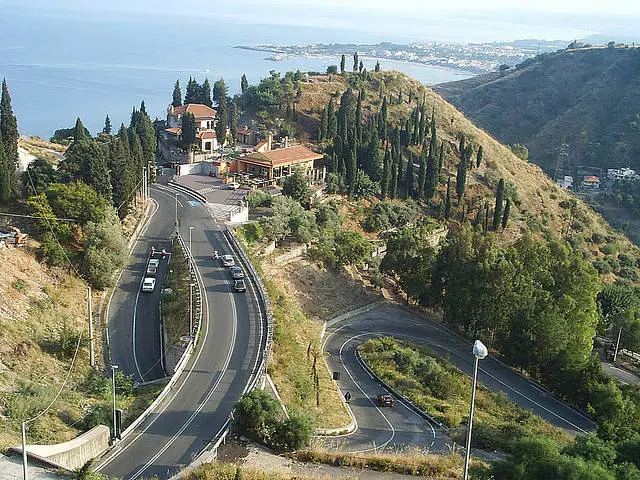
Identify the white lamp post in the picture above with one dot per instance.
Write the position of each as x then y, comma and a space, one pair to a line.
113, 378
479, 351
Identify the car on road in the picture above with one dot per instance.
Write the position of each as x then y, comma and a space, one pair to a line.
236, 272
228, 261
149, 284
240, 286
152, 267
386, 400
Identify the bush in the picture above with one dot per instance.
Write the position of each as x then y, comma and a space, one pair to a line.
251, 232
293, 433
602, 267
98, 414
608, 249
258, 198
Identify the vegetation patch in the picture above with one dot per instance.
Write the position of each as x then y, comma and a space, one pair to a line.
230, 471
444, 392
175, 304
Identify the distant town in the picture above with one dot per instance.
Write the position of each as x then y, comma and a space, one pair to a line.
470, 57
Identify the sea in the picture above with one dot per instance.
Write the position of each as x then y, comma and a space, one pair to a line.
73, 60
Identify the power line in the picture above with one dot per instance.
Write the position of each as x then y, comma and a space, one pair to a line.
36, 216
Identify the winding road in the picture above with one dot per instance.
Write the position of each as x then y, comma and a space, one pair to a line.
401, 426
224, 362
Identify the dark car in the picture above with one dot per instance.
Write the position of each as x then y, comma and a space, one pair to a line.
239, 286
386, 400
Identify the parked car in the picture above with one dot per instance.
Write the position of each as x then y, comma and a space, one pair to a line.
233, 186
228, 261
239, 286
236, 272
152, 268
149, 284
386, 400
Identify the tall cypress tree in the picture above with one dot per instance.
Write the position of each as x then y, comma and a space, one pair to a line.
333, 166
79, 131
193, 89
6, 183
322, 130
497, 212
332, 121
479, 156
486, 216
221, 124
447, 201
137, 156
409, 178
431, 175
107, 125
142, 124
377, 67
505, 216
355, 61
233, 120
177, 95
461, 178
440, 158
422, 174
382, 124
244, 84
352, 168
386, 175
393, 191
204, 93
120, 176
342, 64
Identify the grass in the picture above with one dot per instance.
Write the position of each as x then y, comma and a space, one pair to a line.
411, 461
443, 391
227, 471
296, 347
175, 305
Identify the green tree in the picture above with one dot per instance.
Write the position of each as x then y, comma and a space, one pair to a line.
520, 151
505, 215
332, 122
385, 182
332, 69
447, 201
107, 125
461, 178
39, 175
193, 90
105, 250
204, 93
86, 160
188, 130
355, 61
377, 67
9, 135
342, 64
255, 414
234, 115
497, 211
322, 131
222, 121
177, 95
244, 84
409, 179
479, 156
6, 178
144, 127
121, 178
296, 186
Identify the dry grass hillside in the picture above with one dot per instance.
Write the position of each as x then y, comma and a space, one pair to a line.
539, 204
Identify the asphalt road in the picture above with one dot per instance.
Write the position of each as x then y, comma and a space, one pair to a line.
218, 372
399, 427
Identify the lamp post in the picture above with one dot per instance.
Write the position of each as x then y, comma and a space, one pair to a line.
479, 352
191, 285
113, 378
190, 255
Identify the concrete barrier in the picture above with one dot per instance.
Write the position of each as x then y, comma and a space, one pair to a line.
74, 453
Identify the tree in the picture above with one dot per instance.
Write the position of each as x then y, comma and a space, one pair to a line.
497, 211
221, 124
355, 61
6, 180
332, 69
342, 64
295, 186
409, 179
86, 160
479, 156
177, 95
520, 151
332, 122
188, 130
39, 175
322, 131
121, 174
422, 175
377, 67
233, 121
360, 67
204, 93
79, 131
9, 132
505, 216
105, 250
244, 84
447, 201
461, 178
193, 90
386, 175
107, 125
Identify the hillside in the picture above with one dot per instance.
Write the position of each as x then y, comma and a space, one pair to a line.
587, 97
539, 204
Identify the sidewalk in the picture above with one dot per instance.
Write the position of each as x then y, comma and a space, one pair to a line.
11, 469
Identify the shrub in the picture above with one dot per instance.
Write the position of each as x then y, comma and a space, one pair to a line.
602, 267
258, 198
597, 237
293, 433
608, 249
251, 232
98, 414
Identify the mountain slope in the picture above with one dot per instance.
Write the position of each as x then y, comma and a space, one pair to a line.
588, 97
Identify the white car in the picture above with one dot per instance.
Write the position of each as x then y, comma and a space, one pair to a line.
228, 261
149, 284
233, 186
152, 268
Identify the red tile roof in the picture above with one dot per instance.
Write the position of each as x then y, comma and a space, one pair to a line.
284, 156
174, 131
245, 131
197, 109
206, 134
591, 178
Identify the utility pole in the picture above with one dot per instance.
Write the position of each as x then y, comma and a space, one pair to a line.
92, 358
615, 353
113, 378
25, 472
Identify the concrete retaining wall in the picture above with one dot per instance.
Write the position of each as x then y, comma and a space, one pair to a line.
75, 453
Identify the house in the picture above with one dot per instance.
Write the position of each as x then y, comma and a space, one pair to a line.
591, 182
276, 164
566, 182
246, 136
205, 120
624, 174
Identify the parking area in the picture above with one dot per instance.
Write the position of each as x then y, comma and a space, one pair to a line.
212, 188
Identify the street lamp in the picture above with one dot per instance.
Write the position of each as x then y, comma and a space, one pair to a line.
479, 351
113, 378
191, 285
190, 254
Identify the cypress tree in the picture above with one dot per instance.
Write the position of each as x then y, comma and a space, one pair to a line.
409, 178
137, 157
177, 95
244, 84
332, 121
342, 64
322, 131
143, 108
79, 131
355, 61
360, 67
337, 146
204, 93
188, 130
358, 120
191, 96
107, 125
497, 212
333, 167
120, 177
486, 216
393, 191
447, 201
221, 124
233, 121
422, 174
505, 216
479, 156
382, 124
431, 175
386, 175
351, 171
6, 183
377, 67
441, 158
461, 178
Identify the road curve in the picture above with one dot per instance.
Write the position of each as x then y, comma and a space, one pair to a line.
401, 427
218, 372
